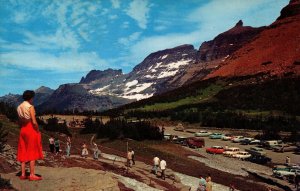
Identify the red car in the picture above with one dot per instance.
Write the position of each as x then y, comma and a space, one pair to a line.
215, 150
195, 142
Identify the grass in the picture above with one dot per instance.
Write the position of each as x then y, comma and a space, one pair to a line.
203, 95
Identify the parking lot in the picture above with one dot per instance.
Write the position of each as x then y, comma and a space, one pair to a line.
277, 157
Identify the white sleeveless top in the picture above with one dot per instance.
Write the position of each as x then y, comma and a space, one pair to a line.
24, 110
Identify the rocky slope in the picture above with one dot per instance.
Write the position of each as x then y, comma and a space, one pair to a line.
274, 52
212, 54
41, 94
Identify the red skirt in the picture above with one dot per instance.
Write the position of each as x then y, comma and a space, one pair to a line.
30, 145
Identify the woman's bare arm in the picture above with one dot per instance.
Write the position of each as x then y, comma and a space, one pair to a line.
32, 115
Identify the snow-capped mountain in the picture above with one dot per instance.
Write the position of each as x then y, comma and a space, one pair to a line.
148, 78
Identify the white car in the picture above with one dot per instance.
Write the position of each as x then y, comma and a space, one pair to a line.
286, 173
237, 139
242, 155
227, 137
202, 134
229, 152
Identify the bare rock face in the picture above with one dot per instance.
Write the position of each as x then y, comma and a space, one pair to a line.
98, 75
292, 9
67, 179
228, 42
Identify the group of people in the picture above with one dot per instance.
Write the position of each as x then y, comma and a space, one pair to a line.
85, 152
54, 145
162, 164
205, 184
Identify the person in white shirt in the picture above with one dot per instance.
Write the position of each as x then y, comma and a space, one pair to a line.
162, 166
129, 158
155, 164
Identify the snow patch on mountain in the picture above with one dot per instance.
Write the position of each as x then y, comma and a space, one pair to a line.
131, 83
139, 88
165, 56
137, 96
100, 91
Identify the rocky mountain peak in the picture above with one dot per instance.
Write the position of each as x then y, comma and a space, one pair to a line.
166, 56
43, 90
239, 24
292, 9
228, 42
100, 75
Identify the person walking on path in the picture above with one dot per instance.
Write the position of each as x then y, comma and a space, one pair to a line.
57, 145
208, 183
162, 166
84, 152
129, 158
287, 160
29, 146
132, 157
68, 147
156, 162
96, 151
202, 184
51, 144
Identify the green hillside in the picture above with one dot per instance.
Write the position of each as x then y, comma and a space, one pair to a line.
250, 102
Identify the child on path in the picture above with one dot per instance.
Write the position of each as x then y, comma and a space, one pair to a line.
84, 152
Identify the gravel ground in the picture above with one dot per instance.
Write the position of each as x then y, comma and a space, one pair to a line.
134, 184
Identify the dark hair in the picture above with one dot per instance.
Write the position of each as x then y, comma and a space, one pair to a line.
28, 94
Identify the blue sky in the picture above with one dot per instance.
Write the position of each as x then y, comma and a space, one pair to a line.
52, 42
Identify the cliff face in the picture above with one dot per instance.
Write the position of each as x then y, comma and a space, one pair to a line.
275, 51
228, 42
212, 54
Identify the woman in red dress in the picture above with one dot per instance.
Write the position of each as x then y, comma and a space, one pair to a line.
30, 147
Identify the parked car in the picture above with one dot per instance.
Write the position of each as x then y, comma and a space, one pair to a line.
256, 151
202, 134
195, 142
181, 140
216, 136
284, 148
255, 141
167, 136
227, 137
281, 168
237, 139
241, 155
259, 159
246, 141
215, 150
286, 174
271, 144
179, 127
229, 152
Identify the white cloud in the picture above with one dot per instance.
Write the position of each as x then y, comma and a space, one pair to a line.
60, 40
139, 11
113, 17
125, 25
160, 28
130, 39
21, 17
64, 62
115, 4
